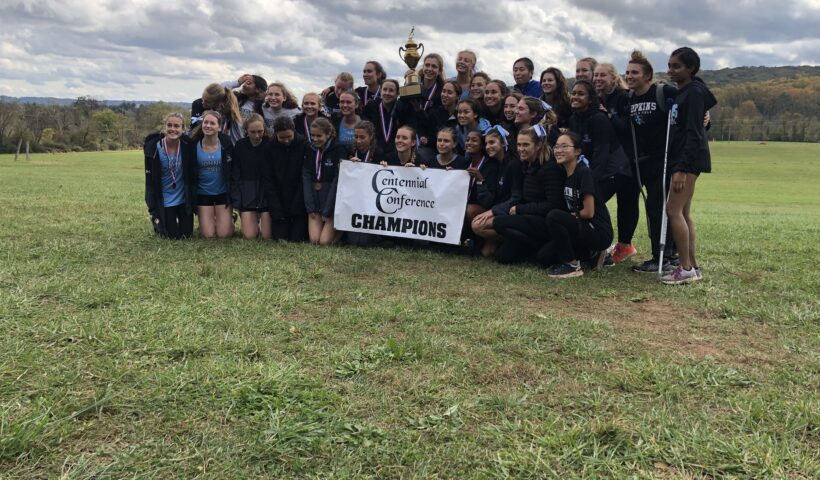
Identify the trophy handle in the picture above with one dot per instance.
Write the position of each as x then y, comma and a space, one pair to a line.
401, 49
421, 46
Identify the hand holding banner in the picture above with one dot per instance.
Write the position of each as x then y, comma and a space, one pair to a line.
401, 201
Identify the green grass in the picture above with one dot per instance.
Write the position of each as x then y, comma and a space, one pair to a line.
125, 355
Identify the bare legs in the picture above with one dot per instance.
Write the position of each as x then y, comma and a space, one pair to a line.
680, 221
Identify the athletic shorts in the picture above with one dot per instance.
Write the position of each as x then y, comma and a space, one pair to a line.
212, 200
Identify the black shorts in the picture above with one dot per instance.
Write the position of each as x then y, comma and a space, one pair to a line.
212, 200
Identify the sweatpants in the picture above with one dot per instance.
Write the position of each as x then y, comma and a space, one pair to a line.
523, 236
571, 239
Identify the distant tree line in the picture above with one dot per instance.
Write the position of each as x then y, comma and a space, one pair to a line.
782, 109
84, 125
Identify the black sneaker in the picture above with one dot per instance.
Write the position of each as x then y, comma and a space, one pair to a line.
565, 270
608, 261
651, 266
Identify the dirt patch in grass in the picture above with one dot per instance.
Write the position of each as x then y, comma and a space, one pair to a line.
660, 326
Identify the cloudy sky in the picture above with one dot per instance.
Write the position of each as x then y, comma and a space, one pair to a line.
169, 50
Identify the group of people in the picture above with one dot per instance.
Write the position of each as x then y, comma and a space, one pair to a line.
544, 157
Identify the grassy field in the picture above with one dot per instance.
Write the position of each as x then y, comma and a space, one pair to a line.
125, 355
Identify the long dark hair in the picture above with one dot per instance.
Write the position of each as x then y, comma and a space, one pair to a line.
594, 100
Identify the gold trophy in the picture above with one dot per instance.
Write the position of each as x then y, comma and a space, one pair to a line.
411, 56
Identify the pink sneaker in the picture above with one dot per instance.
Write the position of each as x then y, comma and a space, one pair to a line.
680, 276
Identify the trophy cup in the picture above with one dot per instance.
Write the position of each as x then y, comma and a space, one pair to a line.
411, 56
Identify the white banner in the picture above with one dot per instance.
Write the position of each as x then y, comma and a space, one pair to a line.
401, 201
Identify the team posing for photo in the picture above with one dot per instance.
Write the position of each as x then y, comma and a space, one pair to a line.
544, 157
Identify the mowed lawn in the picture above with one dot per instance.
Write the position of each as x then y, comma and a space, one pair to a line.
126, 355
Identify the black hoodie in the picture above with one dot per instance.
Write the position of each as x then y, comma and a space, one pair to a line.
689, 146
282, 178
599, 144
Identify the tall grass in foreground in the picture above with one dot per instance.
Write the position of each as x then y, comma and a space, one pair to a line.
127, 355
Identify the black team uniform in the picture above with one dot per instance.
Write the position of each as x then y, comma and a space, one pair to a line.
282, 178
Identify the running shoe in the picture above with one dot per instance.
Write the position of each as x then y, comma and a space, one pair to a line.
565, 270
680, 276
621, 252
651, 266
699, 272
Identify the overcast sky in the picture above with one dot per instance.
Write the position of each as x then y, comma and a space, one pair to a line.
169, 50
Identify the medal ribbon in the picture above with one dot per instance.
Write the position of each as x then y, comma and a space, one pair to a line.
430, 96
478, 168
307, 129
386, 133
173, 162
318, 164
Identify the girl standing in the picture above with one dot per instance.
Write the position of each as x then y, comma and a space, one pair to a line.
169, 180
373, 75
213, 173
494, 94
388, 114
556, 94
311, 110
689, 156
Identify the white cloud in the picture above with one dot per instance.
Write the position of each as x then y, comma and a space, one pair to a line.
150, 49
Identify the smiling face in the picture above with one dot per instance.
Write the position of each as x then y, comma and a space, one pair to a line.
389, 93
370, 75
362, 139
603, 79
347, 104
449, 96
636, 78
495, 146
465, 115
548, 83
492, 95
565, 151
526, 148
472, 144
583, 71
173, 128
210, 125
465, 61
430, 69
318, 137
274, 97
523, 115
256, 131
445, 143
404, 140
311, 103
477, 87
510, 107
521, 74
579, 98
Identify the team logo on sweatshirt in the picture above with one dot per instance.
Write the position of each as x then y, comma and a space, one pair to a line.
673, 114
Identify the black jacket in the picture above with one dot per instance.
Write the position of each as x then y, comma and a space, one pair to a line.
689, 146
402, 114
600, 145
332, 154
617, 104
153, 178
540, 190
282, 179
485, 193
249, 162
429, 122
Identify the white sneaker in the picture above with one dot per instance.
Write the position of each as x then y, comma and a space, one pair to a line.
680, 276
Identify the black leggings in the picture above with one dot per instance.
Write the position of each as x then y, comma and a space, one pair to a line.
293, 229
178, 222
572, 239
523, 236
625, 189
654, 212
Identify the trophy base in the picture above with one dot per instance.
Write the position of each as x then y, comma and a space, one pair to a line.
410, 92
